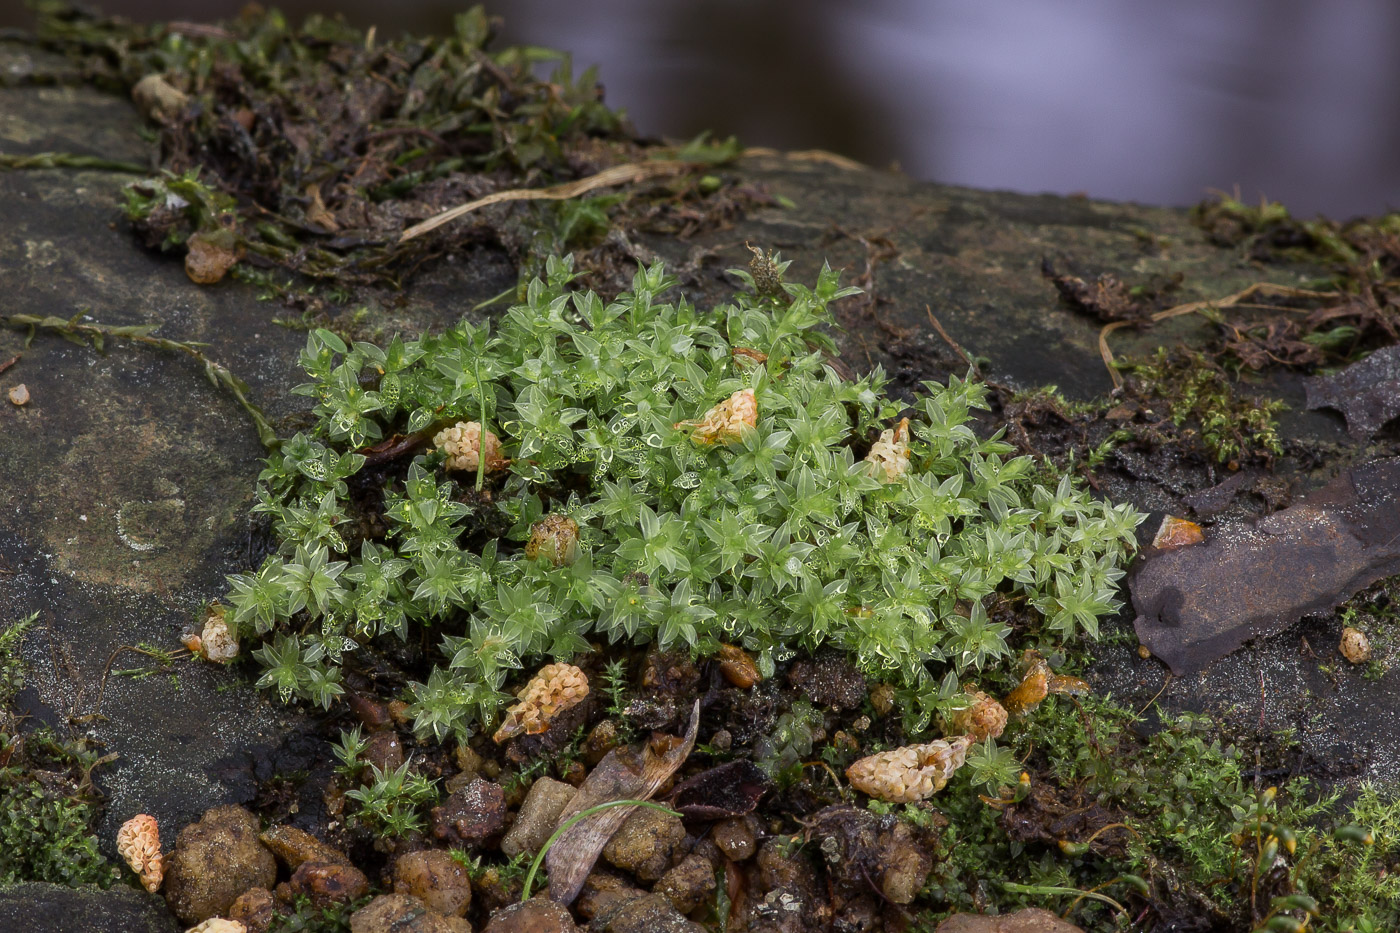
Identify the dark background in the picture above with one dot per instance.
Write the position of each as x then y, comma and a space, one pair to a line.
1296, 100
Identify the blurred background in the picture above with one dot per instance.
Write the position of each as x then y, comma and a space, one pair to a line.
1296, 100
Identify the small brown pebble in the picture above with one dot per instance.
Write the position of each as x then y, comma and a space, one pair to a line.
646, 843
254, 908
294, 846
573, 773
467, 759
471, 815
688, 885
1355, 647
19, 394
537, 915
400, 712
538, 816
370, 712
1144, 652
738, 667
403, 913
735, 838
326, 884
383, 750
600, 741
722, 740
882, 699
437, 878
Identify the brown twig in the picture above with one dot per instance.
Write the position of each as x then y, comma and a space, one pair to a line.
607, 178
957, 348
10, 362
1192, 307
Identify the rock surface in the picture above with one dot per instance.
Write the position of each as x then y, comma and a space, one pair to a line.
35, 906
538, 816
537, 915
436, 878
646, 844
402, 913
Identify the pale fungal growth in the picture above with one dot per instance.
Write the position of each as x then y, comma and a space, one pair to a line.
556, 688
462, 444
727, 422
555, 538
215, 642
888, 459
218, 925
985, 718
910, 773
1355, 647
138, 843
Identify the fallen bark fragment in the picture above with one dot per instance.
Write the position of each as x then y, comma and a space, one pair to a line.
1366, 393
1197, 604
622, 775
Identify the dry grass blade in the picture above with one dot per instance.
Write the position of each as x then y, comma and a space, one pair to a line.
623, 774
1191, 307
607, 178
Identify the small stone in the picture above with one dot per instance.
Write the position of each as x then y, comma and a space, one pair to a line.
882, 699
215, 860
471, 815
294, 846
327, 884
467, 759
646, 843
537, 915
600, 741
905, 864
538, 817
255, 909
735, 838
689, 884
157, 99
435, 877
218, 925
738, 667
19, 395
1355, 647
403, 913
650, 913
383, 750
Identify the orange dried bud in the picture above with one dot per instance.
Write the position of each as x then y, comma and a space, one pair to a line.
555, 538
1177, 532
983, 719
888, 459
138, 843
911, 773
462, 444
882, 699
726, 422
215, 643
737, 667
744, 353
556, 688
1034, 688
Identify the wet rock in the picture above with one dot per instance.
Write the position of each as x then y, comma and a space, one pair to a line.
793, 901
325, 884
38, 906
646, 843
829, 680
384, 750
905, 862
254, 908
602, 739
1366, 393
736, 838
436, 878
603, 892
471, 815
537, 915
688, 885
1030, 920
293, 846
402, 913
862, 848
215, 860
1199, 603
538, 816
631, 911
371, 713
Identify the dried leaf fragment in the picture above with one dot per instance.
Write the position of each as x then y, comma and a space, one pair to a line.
555, 688
1177, 532
218, 925
910, 773
210, 256
1355, 646
555, 538
726, 422
138, 843
215, 642
738, 666
1038, 683
157, 99
888, 459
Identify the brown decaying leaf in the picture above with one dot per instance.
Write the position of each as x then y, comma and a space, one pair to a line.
623, 774
731, 789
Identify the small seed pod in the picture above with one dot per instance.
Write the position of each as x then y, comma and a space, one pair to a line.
726, 422
218, 925
910, 773
138, 843
888, 459
984, 718
1355, 647
556, 688
555, 538
738, 667
462, 445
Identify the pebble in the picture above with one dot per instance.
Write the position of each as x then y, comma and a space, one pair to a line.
735, 837
1030, 920
435, 877
402, 913
326, 884
254, 908
471, 815
688, 885
646, 843
383, 750
293, 846
538, 817
19, 395
215, 860
537, 915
